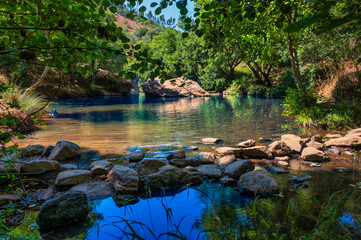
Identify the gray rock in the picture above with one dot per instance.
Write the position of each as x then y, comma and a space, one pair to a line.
177, 154
246, 144
341, 169
293, 141
211, 140
227, 181
185, 162
149, 166
210, 171
64, 150
136, 156
238, 168
47, 151
224, 151
65, 209
95, 190
207, 157
301, 185
124, 179
66, 167
300, 178
72, 177
353, 142
227, 160
32, 150
258, 182
334, 150
312, 154
45, 194
257, 152
39, 166
191, 169
278, 170
101, 167
7, 198
279, 148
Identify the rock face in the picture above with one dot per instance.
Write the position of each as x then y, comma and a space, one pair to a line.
72, 177
227, 160
169, 176
211, 140
312, 154
354, 142
149, 166
293, 141
136, 156
38, 166
258, 182
177, 154
238, 168
178, 162
246, 144
95, 189
257, 152
124, 179
101, 167
64, 150
279, 148
224, 151
207, 157
65, 209
174, 87
32, 150
210, 171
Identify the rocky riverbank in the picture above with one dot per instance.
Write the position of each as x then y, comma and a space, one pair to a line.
57, 185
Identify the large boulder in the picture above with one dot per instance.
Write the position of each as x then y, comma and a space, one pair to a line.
257, 152
224, 151
312, 154
95, 190
101, 167
170, 176
248, 143
65, 209
279, 148
72, 177
179, 162
238, 168
226, 160
124, 179
293, 141
32, 150
207, 157
211, 140
174, 87
354, 133
64, 150
177, 154
39, 166
149, 166
258, 182
354, 142
210, 171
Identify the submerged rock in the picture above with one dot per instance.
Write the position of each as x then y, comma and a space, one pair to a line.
65, 209
300, 178
238, 168
258, 182
64, 150
72, 177
32, 150
257, 152
278, 170
124, 179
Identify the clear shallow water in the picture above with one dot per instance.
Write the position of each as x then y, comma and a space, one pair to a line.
116, 124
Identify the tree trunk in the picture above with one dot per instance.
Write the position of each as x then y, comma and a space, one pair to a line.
294, 62
265, 74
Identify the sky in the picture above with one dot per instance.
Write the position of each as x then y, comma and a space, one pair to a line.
170, 11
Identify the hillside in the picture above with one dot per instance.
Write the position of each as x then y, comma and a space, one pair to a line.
128, 23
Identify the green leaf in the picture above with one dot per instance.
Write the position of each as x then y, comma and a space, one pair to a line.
142, 9
185, 35
153, 4
183, 11
137, 47
305, 22
113, 9
158, 11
